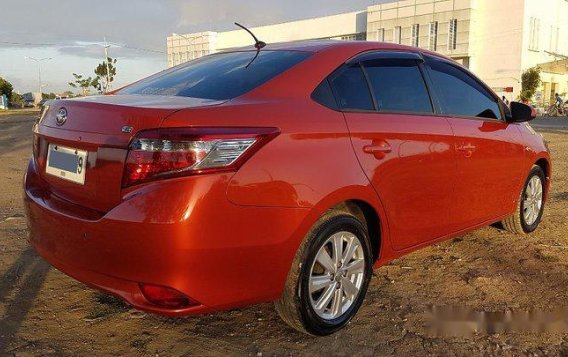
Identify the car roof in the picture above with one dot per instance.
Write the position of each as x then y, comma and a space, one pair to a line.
347, 45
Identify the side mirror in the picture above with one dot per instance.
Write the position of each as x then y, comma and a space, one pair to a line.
521, 113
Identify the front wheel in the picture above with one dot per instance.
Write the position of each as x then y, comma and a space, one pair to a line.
530, 206
329, 277
552, 111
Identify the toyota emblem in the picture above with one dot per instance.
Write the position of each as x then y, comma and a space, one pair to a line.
61, 117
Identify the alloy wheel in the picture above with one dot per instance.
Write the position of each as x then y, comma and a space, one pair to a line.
336, 275
532, 200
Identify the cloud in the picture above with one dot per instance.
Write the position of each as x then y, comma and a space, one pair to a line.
140, 23
143, 25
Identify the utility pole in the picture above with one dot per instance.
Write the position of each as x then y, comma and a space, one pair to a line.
38, 61
107, 85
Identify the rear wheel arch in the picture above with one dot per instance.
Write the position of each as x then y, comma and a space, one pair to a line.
368, 216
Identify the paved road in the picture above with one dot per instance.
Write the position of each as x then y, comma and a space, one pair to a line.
550, 123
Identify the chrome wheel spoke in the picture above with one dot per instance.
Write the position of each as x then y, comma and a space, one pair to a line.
349, 288
325, 261
337, 248
336, 302
356, 267
350, 250
539, 191
319, 282
325, 298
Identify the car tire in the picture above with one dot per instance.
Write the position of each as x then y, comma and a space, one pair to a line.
304, 302
530, 205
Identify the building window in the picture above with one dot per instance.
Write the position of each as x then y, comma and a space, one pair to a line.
453, 34
362, 36
554, 36
433, 36
534, 34
397, 35
381, 35
415, 35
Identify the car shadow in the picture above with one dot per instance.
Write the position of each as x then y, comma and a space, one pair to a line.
560, 196
35, 270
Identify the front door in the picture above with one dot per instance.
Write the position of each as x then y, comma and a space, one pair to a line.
488, 150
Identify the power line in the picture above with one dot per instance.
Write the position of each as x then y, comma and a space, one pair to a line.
27, 43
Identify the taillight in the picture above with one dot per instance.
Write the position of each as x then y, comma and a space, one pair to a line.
172, 152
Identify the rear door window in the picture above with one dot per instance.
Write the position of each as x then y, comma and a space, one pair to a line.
219, 76
351, 89
460, 94
398, 86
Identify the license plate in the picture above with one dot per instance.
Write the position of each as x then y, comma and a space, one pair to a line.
66, 163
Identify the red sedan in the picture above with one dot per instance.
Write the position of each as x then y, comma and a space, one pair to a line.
284, 174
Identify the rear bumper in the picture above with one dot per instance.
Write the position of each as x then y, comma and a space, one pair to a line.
180, 233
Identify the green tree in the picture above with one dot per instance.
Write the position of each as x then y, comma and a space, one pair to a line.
48, 95
6, 87
16, 100
83, 83
105, 73
530, 81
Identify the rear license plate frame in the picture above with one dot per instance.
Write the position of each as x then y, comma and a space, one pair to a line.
61, 161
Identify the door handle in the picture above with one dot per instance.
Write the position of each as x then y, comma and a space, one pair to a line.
376, 149
379, 150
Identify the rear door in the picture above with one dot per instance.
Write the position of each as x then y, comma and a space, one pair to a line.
403, 147
488, 149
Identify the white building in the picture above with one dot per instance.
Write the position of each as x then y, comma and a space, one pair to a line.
496, 39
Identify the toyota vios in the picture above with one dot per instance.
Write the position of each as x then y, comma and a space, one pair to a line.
280, 174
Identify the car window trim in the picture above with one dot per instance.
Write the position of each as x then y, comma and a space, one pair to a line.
334, 91
428, 92
430, 87
430, 58
369, 86
387, 54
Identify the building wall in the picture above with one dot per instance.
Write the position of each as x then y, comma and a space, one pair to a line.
335, 26
496, 43
405, 14
549, 36
182, 48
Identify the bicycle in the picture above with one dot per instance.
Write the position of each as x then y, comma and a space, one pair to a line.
554, 111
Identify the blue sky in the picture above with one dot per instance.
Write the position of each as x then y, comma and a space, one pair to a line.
71, 32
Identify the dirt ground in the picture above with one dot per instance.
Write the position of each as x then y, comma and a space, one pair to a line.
42, 311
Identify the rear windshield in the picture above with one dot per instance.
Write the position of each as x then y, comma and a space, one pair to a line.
219, 76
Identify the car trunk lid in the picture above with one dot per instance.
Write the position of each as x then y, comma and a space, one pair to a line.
101, 126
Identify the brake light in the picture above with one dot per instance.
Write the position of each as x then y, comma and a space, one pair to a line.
166, 297
172, 152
